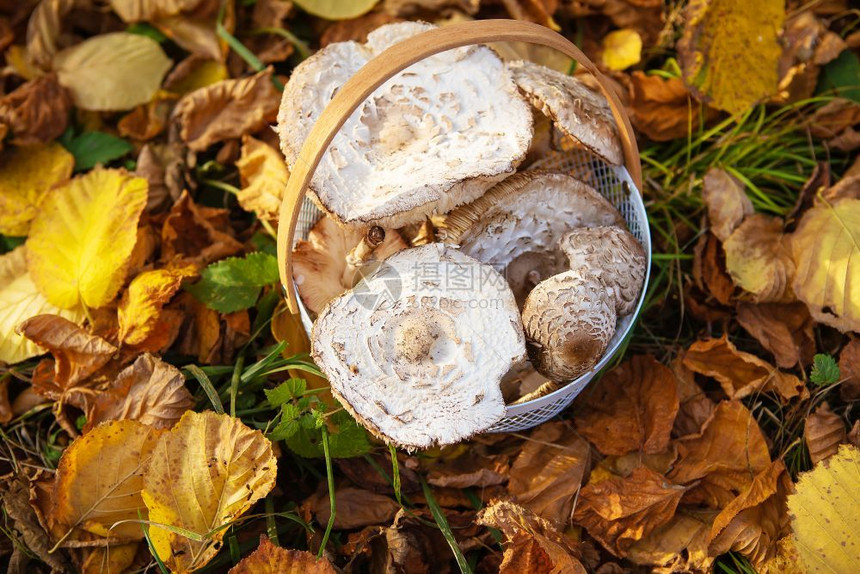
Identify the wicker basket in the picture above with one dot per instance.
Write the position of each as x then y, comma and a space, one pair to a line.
620, 185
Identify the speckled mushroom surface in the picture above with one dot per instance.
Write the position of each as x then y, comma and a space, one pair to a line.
569, 320
576, 110
435, 136
516, 226
416, 351
615, 256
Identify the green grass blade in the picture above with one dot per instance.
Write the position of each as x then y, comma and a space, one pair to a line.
443, 525
208, 388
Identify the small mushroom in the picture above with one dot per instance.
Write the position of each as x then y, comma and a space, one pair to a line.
417, 349
576, 110
516, 226
435, 136
569, 320
615, 256
330, 261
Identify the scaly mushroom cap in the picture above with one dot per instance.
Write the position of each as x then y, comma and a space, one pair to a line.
569, 320
615, 256
516, 226
576, 110
433, 137
320, 268
417, 349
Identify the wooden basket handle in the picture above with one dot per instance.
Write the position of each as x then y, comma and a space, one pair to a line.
389, 63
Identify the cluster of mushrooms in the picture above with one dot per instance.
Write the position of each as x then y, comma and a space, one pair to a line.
439, 273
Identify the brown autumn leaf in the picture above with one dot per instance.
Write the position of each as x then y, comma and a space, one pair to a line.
131, 11
740, 374
357, 29
834, 117
37, 112
823, 432
758, 258
533, 544
227, 110
620, 511
43, 30
696, 407
849, 370
724, 459
148, 120
201, 336
784, 329
548, 471
663, 108
263, 173
149, 391
139, 310
162, 167
195, 30
726, 202
680, 545
625, 465
632, 408
271, 559
472, 469
355, 507
753, 523
197, 233
709, 269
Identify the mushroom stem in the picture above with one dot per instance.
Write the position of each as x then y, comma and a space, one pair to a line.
533, 277
365, 248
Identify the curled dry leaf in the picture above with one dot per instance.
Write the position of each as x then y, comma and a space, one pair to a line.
663, 108
43, 30
784, 329
196, 233
849, 369
826, 250
476, 469
726, 201
709, 269
548, 471
758, 258
227, 110
149, 391
111, 72
263, 173
756, 520
680, 545
82, 237
99, 480
534, 545
740, 374
727, 455
618, 511
355, 507
271, 559
139, 310
37, 112
20, 300
823, 432
147, 10
632, 408
205, 472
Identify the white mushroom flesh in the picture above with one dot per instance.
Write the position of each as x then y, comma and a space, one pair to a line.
416, 351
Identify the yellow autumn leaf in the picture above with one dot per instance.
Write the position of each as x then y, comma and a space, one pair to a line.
111, 72
758, 258
263, 172
826, 251
205, 472
146, 10
622, 49
20, 300
147, 293
202, 73
100, 478
336, 9
825, 514
81, 239
26, 174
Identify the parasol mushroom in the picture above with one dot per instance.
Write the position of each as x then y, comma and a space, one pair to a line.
416, 351
435, 136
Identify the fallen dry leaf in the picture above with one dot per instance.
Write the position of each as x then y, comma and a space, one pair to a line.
43, 30
621, 49
823, 432
194, 73
758, 258
632, 408
271, 559
37, 112
20, 300
196, 233
681, 545
663, 108
195, 31
148, 120
548, 471
475, 469
725, 458
355, 508
726, 202
620, 511
149, 391
756, 520
534, 545
709, 269
81, 239
849, 370
115, 558
26, 175
729, 51
739, 374
139, 310
784, 329
111, 72
826, 251
99, 480
227, 110
147, 10
204, 473
263, 173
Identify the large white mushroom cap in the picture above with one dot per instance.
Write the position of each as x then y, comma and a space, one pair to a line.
417, 349
433, 137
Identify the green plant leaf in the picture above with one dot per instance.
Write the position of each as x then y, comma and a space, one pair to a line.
841, 75
91, 148
234, 284
825, 371
346, 440
286, 391
289, 424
